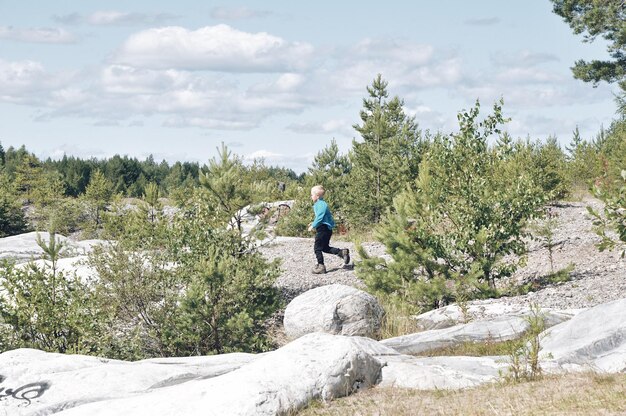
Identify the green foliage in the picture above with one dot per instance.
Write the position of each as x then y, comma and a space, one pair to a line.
594, 18
47, 309
332, 170
29, 178
466, 211
614, 217
549, 163
524, 352
12, 220
385, 161
296, 223
583, 164
544, 230
182, 287
230, 289
227, 189
97, 196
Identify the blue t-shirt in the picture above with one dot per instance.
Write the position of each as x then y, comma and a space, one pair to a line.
322, 214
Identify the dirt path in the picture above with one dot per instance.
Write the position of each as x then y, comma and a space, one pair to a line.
596, 278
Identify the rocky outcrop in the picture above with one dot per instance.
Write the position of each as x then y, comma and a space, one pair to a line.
485, 310
496, 330
23, 247
595, 340
333, 309
281, 382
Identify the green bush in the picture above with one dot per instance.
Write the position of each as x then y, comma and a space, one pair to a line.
467, 211
46, 309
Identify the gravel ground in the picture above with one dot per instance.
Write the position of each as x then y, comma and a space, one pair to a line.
596, 278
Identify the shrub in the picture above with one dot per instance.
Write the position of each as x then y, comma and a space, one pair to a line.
467, 210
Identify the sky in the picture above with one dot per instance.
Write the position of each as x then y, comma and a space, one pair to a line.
279, 80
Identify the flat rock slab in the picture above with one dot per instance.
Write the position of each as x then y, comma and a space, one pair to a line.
441, 373
432, 373
334, 309
485, 310
593, 340
24, 247
283, 381
58, 381
496, 330
69, 266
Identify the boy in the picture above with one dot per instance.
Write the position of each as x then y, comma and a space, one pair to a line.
324, 224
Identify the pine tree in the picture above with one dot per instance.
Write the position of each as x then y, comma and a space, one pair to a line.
575, 144
387, 158
452, 230
12, 220
98, 195
331, 170
226, 186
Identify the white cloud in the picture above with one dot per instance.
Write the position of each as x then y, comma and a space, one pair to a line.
217, 48
37, 35
210, 123
237, 13
527, 75
115, 18
298, 163
532, 96
334, 127
524, 58
404, 64
430, 119
28, 82
262, 154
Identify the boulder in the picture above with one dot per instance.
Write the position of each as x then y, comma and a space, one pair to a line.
316, 366
334, 309
595, 339
496, 330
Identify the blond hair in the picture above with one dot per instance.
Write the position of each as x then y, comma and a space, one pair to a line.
318, 190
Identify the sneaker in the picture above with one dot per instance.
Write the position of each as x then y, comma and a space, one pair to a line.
345, 255
319, 269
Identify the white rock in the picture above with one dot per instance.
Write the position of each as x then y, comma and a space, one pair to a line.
66, 381
281, 382
484, 310
500, 329
334, 309
432, 373
440, 373
69, 266
24, 247
594, 339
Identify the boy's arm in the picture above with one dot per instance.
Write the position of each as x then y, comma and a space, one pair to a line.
319, 215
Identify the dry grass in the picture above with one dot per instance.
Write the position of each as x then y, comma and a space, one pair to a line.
473, 349
572, 394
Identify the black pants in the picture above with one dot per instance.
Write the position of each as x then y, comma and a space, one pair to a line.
322, 241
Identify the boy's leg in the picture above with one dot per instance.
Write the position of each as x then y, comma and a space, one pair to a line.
318, 247
326, 241
343, 253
